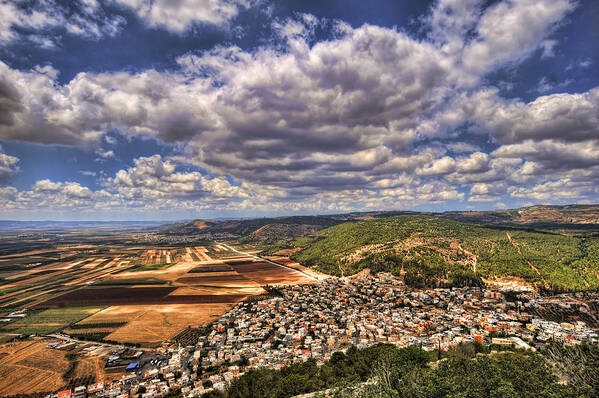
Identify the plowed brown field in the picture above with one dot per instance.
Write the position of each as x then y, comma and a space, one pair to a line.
267, 273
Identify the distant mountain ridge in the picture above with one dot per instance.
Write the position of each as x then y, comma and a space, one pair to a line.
539, 216
240, 228
48, 225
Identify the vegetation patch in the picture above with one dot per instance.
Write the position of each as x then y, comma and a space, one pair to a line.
98, 325
60, 315
149, 267
39, 330
210, 268
468, 371
95, 336
131, 282
431, 251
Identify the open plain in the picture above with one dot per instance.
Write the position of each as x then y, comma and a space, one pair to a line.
119, 288
114, 289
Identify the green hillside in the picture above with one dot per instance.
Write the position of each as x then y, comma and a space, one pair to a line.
440, 252
469, 370
244, 227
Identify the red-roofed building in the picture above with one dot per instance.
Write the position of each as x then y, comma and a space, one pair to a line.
64, 394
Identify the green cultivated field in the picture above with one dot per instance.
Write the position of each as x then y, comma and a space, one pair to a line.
61, 315
40, 322
435, 251
37, 329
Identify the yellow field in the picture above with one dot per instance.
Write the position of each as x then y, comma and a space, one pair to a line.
29, 366
150, 325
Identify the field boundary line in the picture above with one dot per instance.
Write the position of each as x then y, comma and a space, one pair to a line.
270, 262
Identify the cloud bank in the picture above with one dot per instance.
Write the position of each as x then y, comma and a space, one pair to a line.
369, 117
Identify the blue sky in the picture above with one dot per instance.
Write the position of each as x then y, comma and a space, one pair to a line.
130, 109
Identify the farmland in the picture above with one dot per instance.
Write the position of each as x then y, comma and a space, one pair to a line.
126, 288
132, 296
30, 366
268, 273
51, 320
149, 325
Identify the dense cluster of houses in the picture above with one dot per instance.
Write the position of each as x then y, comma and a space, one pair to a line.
313, 321
318, 319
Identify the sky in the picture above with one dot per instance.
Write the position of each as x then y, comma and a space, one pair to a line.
182, 109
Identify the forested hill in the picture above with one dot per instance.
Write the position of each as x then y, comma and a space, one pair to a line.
277, 231
248, 226
437, 251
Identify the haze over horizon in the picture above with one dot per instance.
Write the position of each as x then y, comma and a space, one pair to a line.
72, 217
128, 109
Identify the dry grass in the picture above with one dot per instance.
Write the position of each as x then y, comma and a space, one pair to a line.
93, 366
167, 274
29, 366
149, 325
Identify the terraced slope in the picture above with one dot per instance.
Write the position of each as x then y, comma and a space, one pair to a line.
435, 251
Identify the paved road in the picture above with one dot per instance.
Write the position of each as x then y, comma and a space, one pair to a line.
68, 338
268, 261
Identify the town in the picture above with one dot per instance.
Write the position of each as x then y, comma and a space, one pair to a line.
298, 322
